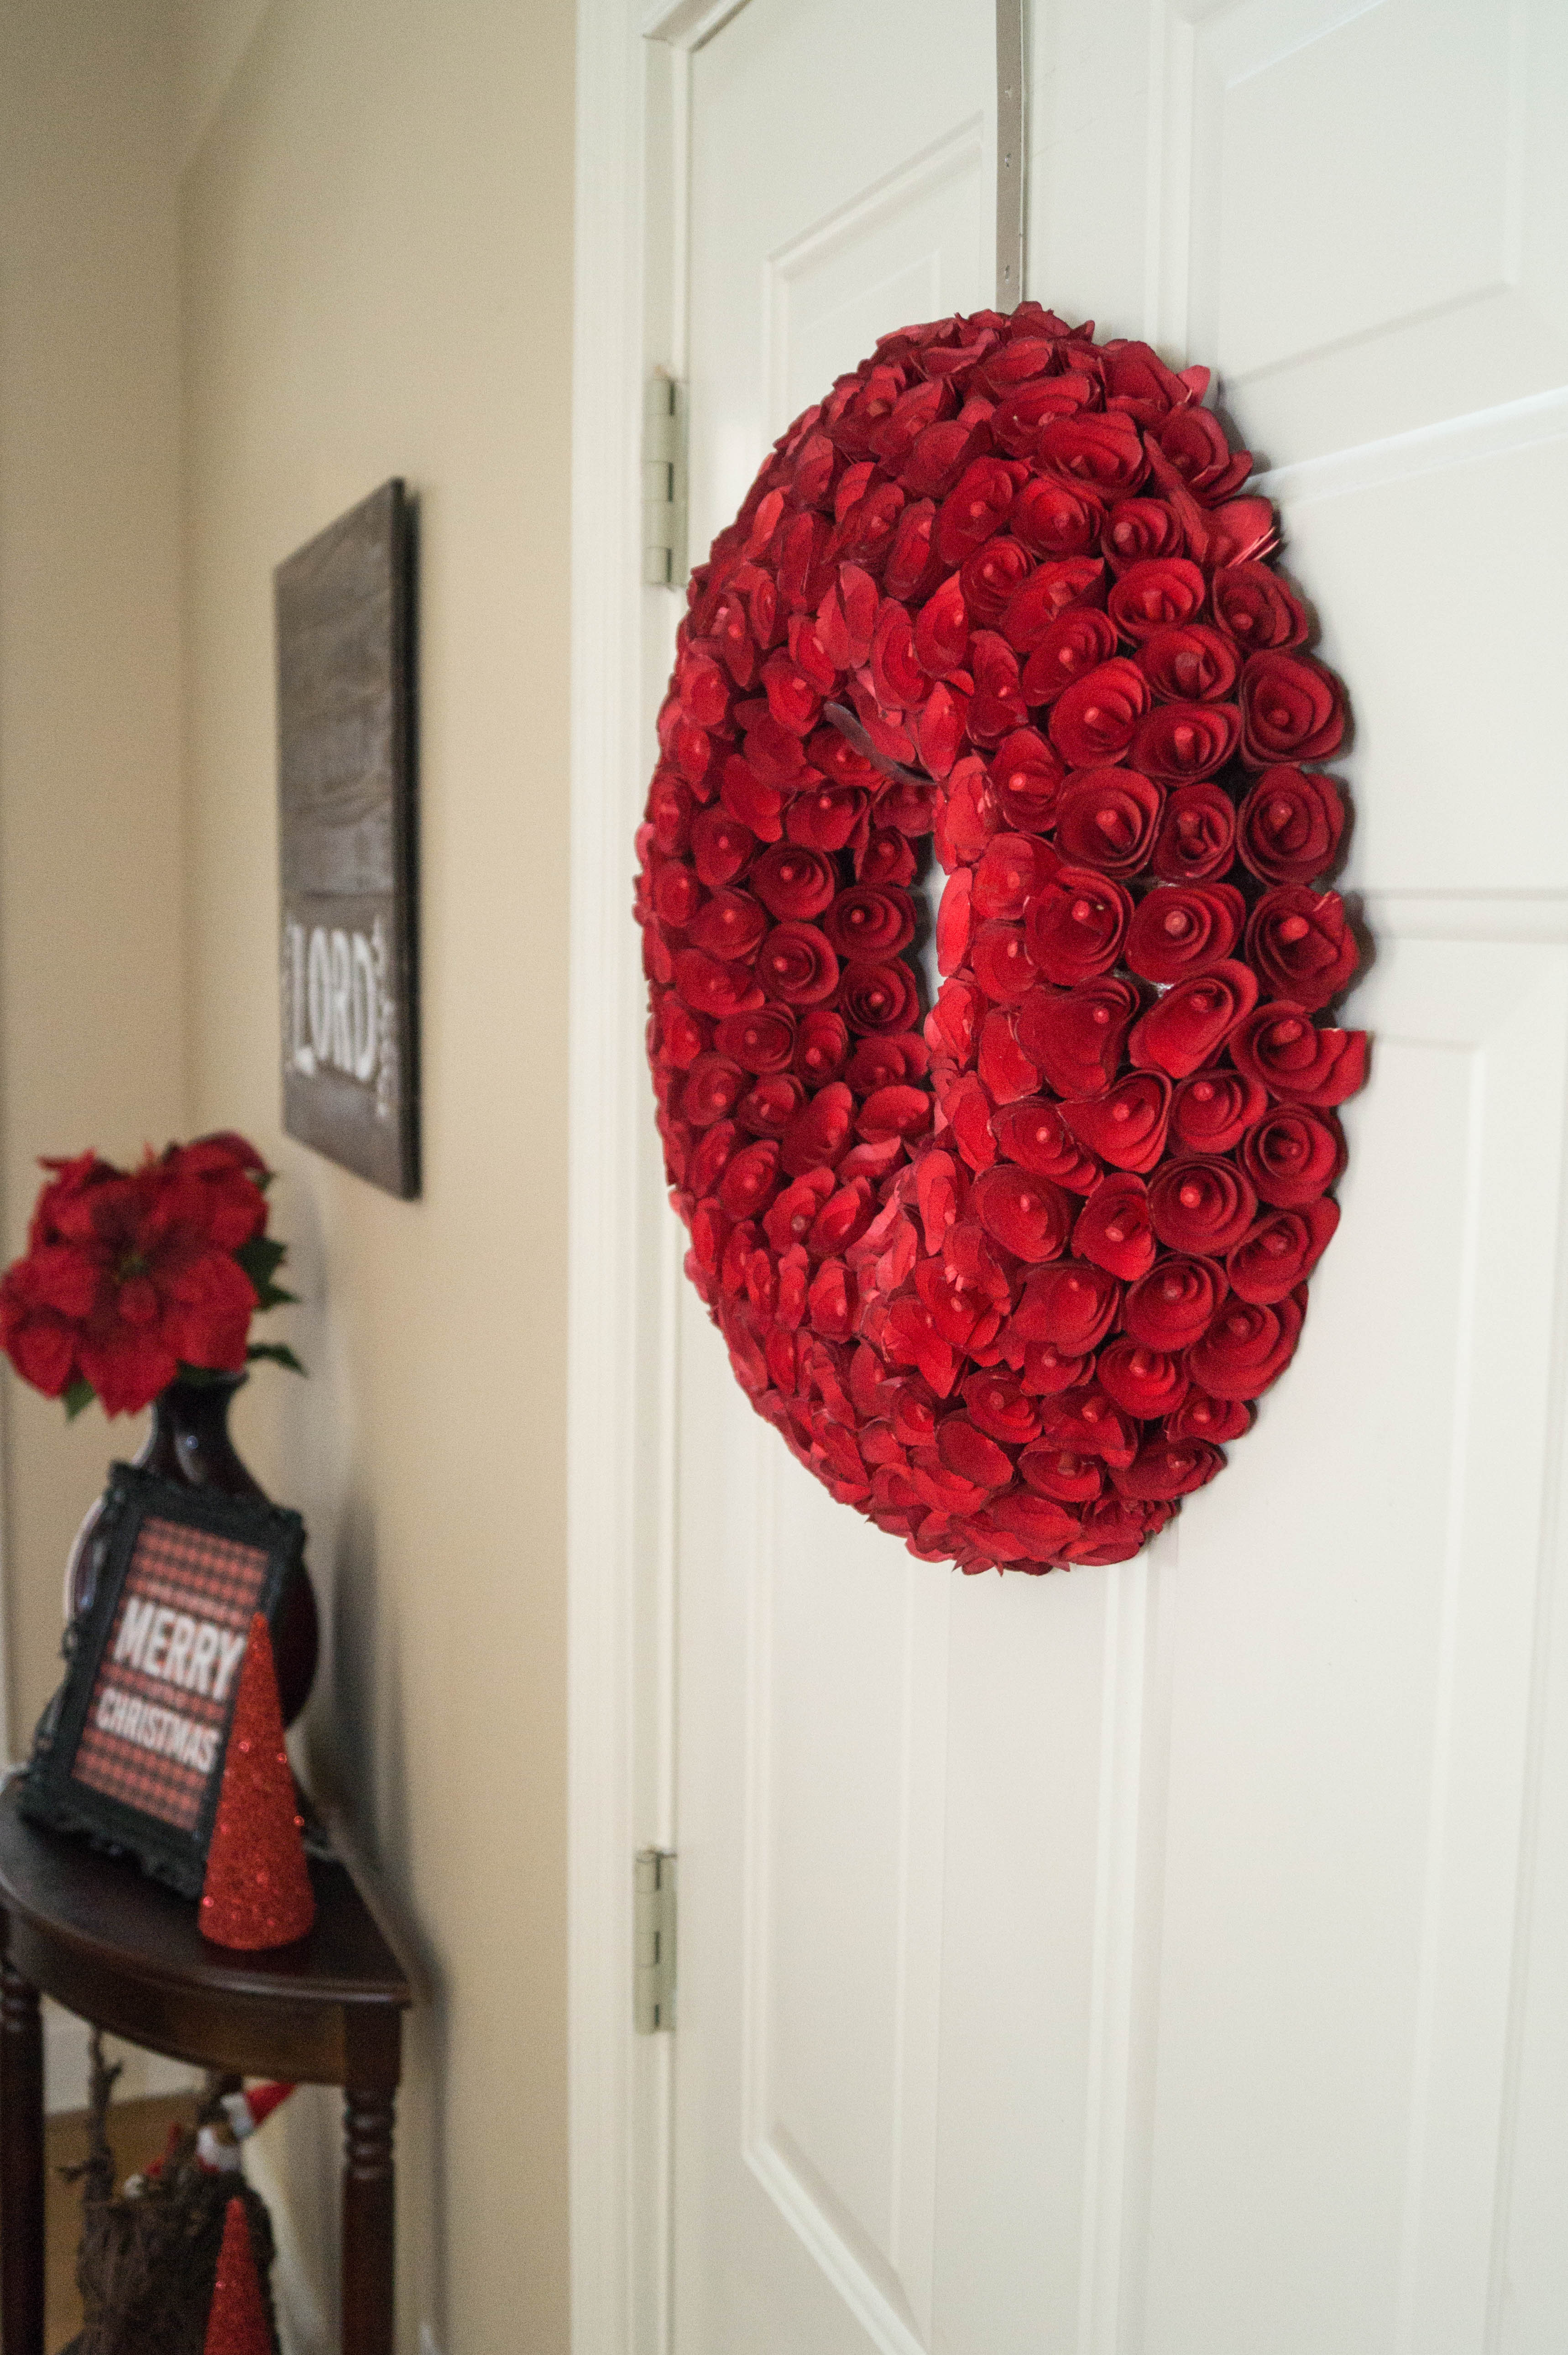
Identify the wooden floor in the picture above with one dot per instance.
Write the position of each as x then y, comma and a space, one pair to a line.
137, 2133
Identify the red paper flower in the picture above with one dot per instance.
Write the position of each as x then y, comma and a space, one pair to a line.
1247, 1347
1037, 614
1169, 1467
793, 883
1211, 1112
1292, 709
1181, 928
1190, 1024
1254, 607
1074, 644
1114, 1230
1052, 518
1279, 1047
1106, 818
1290, 825
1144, 1383
1179, 742
1292, 1156
1096, 718
1202, 1204
1035, 1134
1025, 1214
1010, 1281
1139, 529
1155, 594
1281, 1252
1171, 1305
1102, 452
1076, 926
1026, 777
762, 1040
1300, 946
1075, 1035
1126, 1125
1188, 664
1071, 1305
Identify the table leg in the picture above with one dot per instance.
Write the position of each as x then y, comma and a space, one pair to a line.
21, 2166
367, 2222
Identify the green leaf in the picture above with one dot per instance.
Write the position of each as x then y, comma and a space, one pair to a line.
77, 1395
260, 1258
279, 1352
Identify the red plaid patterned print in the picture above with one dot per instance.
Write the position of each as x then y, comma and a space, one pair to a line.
166, 1678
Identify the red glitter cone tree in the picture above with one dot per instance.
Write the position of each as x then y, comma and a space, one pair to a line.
257, 1892
237, 2324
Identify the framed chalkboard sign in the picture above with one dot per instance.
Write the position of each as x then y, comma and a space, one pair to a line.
130, 1749
345, 804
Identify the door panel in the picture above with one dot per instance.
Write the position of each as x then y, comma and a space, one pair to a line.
844, 1918
1456, 744
841, 163
1168, 1959
1354, 193
1353, 1666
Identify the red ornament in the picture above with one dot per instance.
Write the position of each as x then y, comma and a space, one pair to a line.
1003, 1278
237, 2324
257, 1891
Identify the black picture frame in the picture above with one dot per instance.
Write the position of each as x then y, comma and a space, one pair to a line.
343, 607
144, 1706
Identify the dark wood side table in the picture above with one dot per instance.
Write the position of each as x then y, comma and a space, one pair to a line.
117, 1949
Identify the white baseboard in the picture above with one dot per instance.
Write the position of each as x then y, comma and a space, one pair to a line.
67, 2063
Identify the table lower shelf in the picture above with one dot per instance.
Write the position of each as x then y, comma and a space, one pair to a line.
126, 1954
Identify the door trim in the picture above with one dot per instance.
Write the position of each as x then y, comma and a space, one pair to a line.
623, 1249
607, 1275
686, 25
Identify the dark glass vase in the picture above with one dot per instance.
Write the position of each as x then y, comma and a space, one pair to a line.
189, 1440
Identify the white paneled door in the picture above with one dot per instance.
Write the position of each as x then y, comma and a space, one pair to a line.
1172, 1959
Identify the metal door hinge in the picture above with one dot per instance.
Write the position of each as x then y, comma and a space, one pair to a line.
653, 2000
664, 483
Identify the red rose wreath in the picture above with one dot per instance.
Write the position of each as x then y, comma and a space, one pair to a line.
1006, 1279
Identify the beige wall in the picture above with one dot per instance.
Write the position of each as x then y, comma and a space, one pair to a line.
211, 39
377, 281
92, 985
365, 272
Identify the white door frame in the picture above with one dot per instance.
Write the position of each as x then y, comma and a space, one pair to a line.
625, 1249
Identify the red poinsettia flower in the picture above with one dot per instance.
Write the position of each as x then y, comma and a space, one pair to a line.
131, 1276
43, 1300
